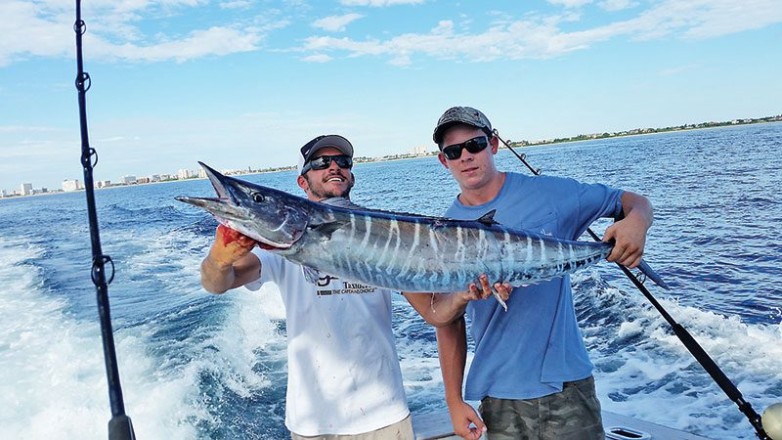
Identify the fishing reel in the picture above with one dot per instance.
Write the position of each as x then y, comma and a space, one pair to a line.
772, 421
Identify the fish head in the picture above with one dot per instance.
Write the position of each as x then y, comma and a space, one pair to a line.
273, 218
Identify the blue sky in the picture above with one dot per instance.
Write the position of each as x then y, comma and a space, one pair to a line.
237, 83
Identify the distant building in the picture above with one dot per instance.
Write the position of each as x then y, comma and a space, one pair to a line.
185, 174
26, 189
128, 180
420, 150
71, 185
104, 183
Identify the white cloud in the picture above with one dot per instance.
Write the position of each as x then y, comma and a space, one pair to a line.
7, 129
45, 29
616, 5
336, 23
200, 43
317, 58
673, 71
34, 29
236, 4
570, 3
727, 17
377, 3
545, 36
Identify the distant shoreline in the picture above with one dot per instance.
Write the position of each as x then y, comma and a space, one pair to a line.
513, 144
645, 131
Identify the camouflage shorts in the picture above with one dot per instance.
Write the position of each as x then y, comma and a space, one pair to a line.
573, 414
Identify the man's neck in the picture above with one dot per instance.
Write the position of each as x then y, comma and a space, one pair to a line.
483, 194
343, 202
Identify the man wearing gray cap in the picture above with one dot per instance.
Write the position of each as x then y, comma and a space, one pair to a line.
531, 370
344, 378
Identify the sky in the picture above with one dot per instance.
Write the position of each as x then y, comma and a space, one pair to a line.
245, 83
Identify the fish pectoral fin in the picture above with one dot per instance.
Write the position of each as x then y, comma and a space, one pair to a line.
652, 274
488, 218
310, 274
327, 228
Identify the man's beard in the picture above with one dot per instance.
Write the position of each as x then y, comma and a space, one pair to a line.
323, 193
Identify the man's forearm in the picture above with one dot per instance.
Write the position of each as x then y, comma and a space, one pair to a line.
216, 278
452, 349
446, 308
639, 208
437, 309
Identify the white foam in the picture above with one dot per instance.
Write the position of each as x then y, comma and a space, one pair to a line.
655, 378
54, 383
54, 375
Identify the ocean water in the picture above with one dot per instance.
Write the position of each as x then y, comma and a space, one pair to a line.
201, 366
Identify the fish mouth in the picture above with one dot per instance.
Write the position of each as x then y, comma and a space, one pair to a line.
216, 179
222, 205
227, 210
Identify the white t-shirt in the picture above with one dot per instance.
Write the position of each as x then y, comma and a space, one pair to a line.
343, 369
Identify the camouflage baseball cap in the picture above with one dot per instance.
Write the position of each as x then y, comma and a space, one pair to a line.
461, 115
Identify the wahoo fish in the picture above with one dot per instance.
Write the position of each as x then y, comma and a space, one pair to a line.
398, 251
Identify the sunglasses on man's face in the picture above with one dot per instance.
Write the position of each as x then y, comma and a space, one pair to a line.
474, 145
323, 162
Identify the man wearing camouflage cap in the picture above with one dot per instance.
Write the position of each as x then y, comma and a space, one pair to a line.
530, 360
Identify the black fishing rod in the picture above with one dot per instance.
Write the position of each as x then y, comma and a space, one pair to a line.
120, 426
689, 342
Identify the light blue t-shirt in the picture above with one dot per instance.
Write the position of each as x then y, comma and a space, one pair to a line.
530, 350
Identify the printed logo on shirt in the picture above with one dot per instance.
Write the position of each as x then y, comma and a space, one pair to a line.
325, 280
331, 285
338, 287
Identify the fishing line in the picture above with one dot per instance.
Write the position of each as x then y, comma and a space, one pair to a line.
120, 426
689, 342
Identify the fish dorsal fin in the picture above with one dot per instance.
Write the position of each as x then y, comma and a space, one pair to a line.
488, 218
326, 228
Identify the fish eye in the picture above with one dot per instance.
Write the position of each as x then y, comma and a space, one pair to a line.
258, 198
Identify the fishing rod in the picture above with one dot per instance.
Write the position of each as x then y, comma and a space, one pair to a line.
120, 426
774, 412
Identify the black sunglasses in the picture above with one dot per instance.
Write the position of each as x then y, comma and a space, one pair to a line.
474, 145
323, 162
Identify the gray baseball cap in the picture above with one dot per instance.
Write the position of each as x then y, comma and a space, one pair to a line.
461, 115
332, 140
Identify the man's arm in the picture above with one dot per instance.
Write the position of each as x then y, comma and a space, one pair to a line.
230, 263
629, 234
452, 349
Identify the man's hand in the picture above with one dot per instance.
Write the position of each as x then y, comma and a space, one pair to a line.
629, 234
230, 263
472, 292
501, 291
229, 247
440, 309
467, 424
629, 240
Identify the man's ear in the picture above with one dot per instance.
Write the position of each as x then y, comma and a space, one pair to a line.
442, 160
302, 182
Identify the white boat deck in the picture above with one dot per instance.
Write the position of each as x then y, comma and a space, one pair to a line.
437, 425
